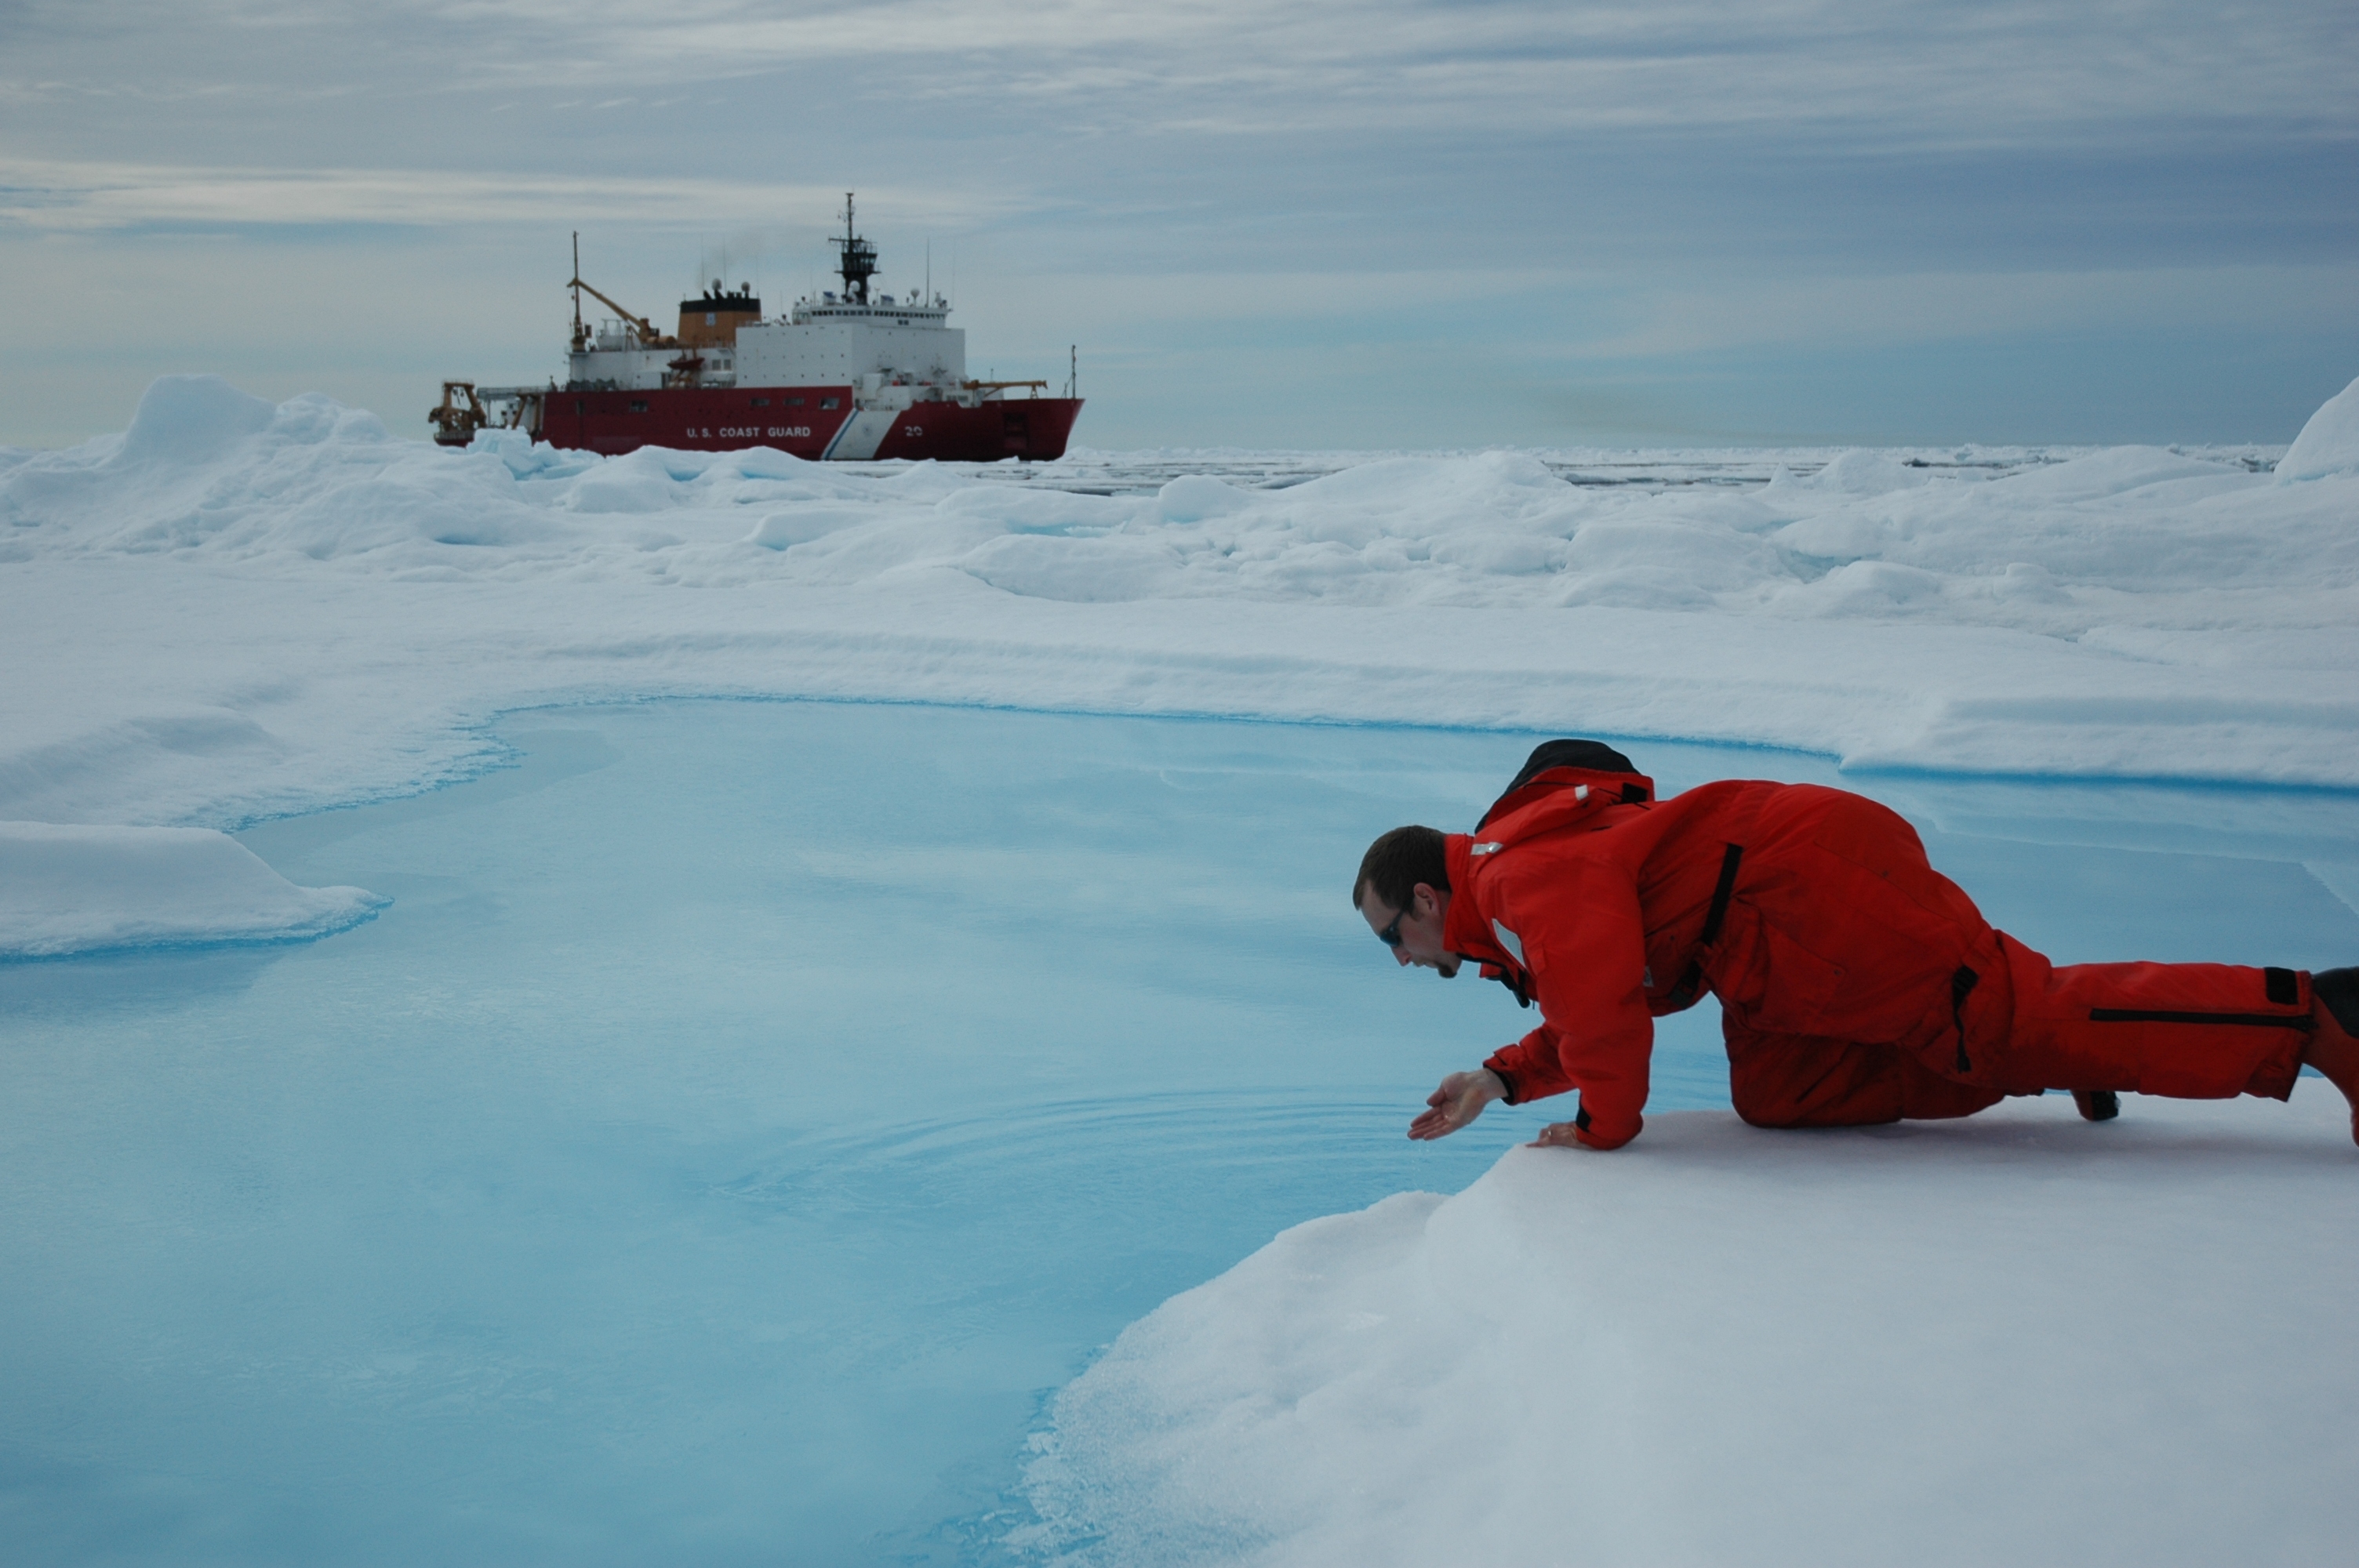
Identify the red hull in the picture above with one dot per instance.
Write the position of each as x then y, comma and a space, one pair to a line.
809, 421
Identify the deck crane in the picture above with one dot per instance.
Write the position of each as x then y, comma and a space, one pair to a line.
648, 336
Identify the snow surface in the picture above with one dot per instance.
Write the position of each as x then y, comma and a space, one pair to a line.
82, 889
238, 612
2018, 1338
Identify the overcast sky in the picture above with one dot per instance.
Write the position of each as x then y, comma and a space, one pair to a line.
1372, 224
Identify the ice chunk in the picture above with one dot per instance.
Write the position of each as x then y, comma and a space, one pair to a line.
2329, 444
784, 530
1867, 587
641, 481
1849, 535
190, 419
77, 888
1044, 565
1192, 498
2031, 583
1035, 511
2116, 471
1864, 473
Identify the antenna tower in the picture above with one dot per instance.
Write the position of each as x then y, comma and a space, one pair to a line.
858, 263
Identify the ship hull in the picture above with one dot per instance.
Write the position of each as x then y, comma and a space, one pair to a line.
814, 422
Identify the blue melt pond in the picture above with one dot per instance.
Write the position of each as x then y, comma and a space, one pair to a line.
747, 1114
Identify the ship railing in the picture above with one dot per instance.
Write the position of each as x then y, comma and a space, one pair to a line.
996, 390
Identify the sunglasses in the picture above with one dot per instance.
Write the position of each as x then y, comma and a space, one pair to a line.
1390, 936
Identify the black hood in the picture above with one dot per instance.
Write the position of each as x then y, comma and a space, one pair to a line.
1595, 755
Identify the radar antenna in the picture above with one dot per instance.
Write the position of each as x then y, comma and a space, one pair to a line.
859, 261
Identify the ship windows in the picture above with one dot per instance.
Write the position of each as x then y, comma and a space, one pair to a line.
761, 402
638, 406
831, 403
794, 402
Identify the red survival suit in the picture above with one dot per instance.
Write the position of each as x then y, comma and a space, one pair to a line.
1856, 983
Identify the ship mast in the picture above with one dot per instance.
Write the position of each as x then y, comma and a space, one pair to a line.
859, 261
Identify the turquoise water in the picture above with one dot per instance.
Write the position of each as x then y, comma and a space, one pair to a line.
747, 1113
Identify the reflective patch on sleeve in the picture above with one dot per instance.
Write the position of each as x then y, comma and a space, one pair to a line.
1486, 849
1509, 940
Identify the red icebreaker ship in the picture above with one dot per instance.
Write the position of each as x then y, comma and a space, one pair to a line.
851, 376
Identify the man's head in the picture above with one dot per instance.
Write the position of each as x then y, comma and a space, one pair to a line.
1403, 892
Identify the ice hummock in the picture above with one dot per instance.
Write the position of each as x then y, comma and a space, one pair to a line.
88, 889
2329, 444
348, 610
237, 610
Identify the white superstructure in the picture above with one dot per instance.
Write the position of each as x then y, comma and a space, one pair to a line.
893, 352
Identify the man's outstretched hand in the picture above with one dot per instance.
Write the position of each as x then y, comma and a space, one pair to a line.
1459, 1100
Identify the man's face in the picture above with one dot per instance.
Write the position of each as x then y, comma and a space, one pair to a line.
1420, 929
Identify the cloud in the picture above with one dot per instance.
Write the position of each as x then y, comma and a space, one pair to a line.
1948, 74
1838, 312
1907, 73
87, 196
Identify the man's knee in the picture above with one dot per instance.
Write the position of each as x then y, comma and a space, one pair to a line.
1806, 1080
1786, 1116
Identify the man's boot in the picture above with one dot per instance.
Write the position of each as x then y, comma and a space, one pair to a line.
2097, 1105
2334, 1046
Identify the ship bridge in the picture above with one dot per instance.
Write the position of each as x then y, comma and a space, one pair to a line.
830, 341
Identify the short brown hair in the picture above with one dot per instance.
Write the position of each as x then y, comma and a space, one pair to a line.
1397, 862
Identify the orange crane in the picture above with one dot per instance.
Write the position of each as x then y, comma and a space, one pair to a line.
648, 336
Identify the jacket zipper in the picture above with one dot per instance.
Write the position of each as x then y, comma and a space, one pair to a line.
1689, 985
2230, 1020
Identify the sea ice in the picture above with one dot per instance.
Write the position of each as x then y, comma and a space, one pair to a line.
2019, 1338
79, 890
357, 607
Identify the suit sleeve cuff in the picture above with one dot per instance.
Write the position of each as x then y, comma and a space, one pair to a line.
1597, 1137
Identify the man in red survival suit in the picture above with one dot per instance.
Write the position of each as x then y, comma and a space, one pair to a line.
1856, 984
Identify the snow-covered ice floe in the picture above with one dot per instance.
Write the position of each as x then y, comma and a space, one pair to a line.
2019, 1338
84, 888
236, 610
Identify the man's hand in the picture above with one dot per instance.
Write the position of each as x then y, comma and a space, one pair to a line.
1559, 1135
1459, 1100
